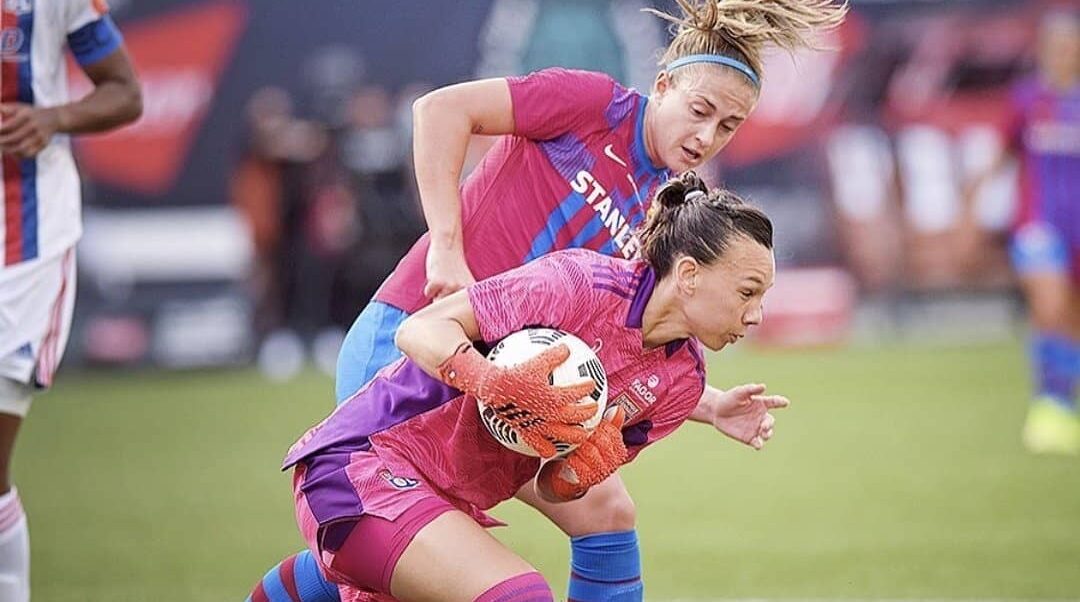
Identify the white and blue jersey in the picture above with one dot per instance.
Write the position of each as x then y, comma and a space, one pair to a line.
41, 199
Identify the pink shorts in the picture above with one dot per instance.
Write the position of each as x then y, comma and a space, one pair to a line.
361, 551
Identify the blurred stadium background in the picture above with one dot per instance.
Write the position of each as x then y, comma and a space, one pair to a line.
235, 231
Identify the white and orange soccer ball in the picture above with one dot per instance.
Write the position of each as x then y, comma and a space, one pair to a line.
582, 364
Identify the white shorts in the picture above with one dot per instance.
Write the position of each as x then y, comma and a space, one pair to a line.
36, 302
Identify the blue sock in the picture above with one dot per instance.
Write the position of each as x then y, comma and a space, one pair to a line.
296, 579
605, 567
1056, 363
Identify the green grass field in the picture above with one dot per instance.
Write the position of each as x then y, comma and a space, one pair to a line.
897, 473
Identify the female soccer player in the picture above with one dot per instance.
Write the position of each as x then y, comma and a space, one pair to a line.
577, 166
1045, 246
393, 485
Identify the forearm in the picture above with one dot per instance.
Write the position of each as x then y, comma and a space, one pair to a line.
434, 333
441, 138
706, 407
109, 105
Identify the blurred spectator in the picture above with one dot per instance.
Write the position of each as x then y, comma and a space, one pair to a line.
267, 187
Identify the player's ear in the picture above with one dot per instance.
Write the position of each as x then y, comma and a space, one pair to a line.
687, 274
662, 83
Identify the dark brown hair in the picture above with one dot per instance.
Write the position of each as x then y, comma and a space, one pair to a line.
688, 219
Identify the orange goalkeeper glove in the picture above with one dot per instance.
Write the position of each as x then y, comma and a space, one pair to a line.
523, 395
596, 459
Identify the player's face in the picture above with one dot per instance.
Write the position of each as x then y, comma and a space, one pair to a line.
1059, 49
729, 294
695, 114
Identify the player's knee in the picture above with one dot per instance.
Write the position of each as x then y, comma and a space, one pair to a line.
622, 511
613, 510
1048, 312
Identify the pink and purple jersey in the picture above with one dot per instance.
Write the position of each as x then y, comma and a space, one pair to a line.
575, 174
40, 195
420, 426
1046, 133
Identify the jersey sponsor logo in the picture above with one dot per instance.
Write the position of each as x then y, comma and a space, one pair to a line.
629, 407
19, 7
653, 381
647, 397
397, 482
596, 196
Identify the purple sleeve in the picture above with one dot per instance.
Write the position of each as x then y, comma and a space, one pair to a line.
551, 102
551, 291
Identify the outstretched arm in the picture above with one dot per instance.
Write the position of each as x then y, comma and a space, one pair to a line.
741, 412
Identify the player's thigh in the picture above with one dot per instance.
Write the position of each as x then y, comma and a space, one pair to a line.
453, 558
605, 508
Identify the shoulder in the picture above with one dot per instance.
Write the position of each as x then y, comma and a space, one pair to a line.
569, 76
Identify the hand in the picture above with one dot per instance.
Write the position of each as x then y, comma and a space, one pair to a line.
25, 130
447, 271
742, 413
596, 459
523, 397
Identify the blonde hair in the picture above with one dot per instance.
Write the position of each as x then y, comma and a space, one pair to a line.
740, 29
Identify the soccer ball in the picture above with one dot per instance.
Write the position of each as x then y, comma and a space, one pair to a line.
582, 363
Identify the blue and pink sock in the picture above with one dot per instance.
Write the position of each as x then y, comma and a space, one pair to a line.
1056, 367
296, 579
605, 567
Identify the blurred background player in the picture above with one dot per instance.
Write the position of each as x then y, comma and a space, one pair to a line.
395, 483
41, 217
577, 165
1045, 246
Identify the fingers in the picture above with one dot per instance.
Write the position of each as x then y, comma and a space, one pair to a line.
757, 443
550, 358
585, 460
433, 290
576, 413
772, 402
767, 422
570, 433
539, 443
575, 392
747, 390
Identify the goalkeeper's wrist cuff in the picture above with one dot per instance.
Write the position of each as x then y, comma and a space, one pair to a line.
464, 368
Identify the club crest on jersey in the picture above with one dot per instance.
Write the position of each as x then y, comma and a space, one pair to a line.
19, 7
629, 407
11, 44
398, 482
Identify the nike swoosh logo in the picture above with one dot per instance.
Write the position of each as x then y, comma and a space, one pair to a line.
610, 152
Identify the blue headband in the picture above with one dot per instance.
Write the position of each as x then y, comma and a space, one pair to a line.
719, 60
